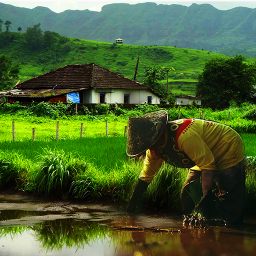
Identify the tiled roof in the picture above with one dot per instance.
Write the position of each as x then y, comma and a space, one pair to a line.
81, 76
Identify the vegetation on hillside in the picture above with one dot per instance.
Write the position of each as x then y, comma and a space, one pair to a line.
8, 72
195, 27
168, 70
39, 52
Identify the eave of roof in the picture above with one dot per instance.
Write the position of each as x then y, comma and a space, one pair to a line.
188, 97
38, 93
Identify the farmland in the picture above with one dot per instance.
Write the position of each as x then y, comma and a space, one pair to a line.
95, 164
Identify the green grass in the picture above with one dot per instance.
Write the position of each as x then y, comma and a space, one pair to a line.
96, 166
188, 63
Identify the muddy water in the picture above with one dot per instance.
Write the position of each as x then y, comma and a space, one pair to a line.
38, 227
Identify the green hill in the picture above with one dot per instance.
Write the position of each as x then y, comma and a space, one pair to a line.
199, 26
120, 58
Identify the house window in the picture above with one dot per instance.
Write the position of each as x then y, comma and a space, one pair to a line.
102, 97
149, 99
126, 98
181, 101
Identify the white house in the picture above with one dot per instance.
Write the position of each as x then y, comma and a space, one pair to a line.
83, 83
188, 100
119, 40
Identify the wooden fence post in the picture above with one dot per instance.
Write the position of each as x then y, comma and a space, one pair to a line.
229, 115
33, 134
57, 131
82, 130
125, 129
13, 130
76, 108
179, 114
106, 127
199, 112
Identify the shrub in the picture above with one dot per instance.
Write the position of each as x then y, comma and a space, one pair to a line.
119, 111
251, 114
47, 109
101, 109
11, 107
55, 173
8, 173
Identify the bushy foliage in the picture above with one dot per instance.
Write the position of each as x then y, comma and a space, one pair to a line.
250, 184
101, 109
8, 71
8, 173
11, 107
225, 80
49, 110
250, 114
36, 39
55, 173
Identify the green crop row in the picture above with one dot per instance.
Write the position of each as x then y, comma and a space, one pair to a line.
95, 165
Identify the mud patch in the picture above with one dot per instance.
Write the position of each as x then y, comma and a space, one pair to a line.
35, 226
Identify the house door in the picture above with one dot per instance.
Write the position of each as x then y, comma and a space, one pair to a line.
102, 98
126, 98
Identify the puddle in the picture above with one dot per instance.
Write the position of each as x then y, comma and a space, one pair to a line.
93, 230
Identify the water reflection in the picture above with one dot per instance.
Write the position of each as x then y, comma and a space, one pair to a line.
82, 237
54, 235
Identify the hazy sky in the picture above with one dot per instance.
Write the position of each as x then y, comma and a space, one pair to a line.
96, 5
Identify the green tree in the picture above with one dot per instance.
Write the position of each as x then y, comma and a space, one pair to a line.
1, 22
224, 80
7, 25
19, 29
153, 76
34, 37
8, 72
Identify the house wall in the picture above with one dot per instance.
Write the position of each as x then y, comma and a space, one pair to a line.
117, 96
187, 101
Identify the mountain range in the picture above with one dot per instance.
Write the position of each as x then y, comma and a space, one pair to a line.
197, 26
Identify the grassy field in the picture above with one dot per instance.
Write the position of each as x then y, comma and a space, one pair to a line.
96, 166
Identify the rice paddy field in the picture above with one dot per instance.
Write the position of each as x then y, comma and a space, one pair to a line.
84, 156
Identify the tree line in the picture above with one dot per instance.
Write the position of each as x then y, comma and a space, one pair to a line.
223, 82
34, 38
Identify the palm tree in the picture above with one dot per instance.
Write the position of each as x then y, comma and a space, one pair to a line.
19, 29
7, 25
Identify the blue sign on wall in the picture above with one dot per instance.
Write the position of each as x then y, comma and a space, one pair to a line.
73, 97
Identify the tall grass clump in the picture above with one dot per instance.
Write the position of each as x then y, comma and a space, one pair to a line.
115, 185
250, 185
12, 168
55, 173
164, 190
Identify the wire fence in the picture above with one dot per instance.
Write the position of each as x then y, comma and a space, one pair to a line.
56, 132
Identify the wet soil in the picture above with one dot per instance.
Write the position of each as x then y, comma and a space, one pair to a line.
63, 227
